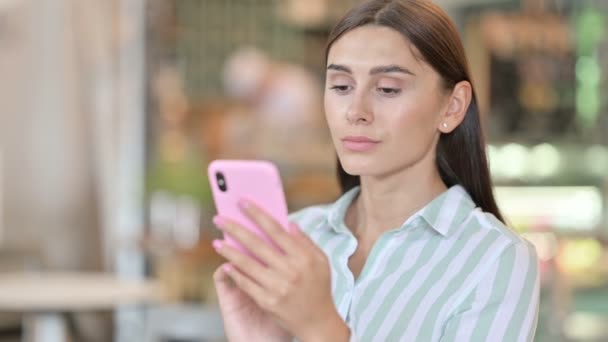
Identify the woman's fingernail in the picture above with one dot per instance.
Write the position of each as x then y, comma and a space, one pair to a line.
218, 221
217, 244
227, 268
243, 203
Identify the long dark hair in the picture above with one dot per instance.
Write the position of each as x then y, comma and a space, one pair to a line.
461, 157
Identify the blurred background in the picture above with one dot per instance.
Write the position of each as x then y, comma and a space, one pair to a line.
111, 111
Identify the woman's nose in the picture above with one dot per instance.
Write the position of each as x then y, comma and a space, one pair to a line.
359, 112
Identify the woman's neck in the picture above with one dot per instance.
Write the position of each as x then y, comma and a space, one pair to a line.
385, 203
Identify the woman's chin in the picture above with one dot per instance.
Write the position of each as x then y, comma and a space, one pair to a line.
358, 168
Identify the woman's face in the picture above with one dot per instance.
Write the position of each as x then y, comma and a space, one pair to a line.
383, 105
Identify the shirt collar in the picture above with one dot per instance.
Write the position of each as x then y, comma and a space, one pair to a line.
443, 214
447, 211
337, 211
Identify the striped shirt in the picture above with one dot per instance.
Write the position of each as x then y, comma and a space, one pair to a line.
451, 272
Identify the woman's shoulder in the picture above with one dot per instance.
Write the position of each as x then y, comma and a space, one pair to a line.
490, 222
511, 241
509, 258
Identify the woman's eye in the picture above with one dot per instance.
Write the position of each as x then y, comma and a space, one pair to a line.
389, 91
340, 88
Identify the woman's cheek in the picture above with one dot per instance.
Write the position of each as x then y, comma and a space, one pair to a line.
334, 112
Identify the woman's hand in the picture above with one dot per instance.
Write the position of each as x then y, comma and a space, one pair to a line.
293, 285
244, 320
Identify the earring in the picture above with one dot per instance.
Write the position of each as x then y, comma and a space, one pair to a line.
445, 125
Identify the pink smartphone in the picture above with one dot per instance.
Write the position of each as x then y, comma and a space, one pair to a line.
258, 181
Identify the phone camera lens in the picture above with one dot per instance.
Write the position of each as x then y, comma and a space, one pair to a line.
221, 181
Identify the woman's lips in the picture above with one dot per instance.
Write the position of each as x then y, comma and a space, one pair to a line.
359, 143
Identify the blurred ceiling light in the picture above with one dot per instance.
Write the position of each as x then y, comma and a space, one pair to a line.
514, 159
494, 161
545, 160
584, 326
568, 208
596, 159
579, 255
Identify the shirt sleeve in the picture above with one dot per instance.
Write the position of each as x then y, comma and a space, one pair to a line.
504, 305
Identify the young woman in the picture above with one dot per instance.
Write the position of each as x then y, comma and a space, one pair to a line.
416, 248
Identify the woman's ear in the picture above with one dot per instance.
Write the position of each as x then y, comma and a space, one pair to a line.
457, 107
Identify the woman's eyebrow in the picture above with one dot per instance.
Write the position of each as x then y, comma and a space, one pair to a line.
338, 67
384, 69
